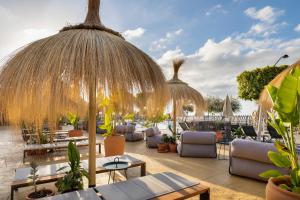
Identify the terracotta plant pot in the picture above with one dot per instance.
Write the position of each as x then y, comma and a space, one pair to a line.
173, 148
219, 136
40, 194
75, 133
114, 145
273, 192
163, 148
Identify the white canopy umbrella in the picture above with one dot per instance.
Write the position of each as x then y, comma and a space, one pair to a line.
227, 108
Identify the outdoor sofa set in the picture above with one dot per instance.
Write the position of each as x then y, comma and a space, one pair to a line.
247, 157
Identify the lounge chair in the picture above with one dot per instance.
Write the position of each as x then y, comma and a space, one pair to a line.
153, 137
184, 126
49, 173
164, 185
273, 133
197, 144
249, 131
54, 146
250, 158
129, 132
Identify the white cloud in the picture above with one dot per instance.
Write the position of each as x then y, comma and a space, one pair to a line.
169, 55
216, 9
267, 14
297, 28
267, 18
213, 68
163, 42
133, 34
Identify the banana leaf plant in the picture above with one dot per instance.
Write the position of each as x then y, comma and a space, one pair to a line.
286, 104
73, 178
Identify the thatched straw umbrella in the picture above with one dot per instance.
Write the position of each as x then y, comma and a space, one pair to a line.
181, 94
88, 57
264, 99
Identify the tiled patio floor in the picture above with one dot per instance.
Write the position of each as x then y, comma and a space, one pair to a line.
211, 172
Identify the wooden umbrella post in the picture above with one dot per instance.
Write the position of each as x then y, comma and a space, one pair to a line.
174, 117
92, 133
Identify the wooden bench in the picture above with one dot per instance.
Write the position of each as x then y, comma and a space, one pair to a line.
48, 173
169, 187
161, 186
55, 146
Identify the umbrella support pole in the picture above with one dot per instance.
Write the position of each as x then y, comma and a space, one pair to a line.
92, 134
174, 118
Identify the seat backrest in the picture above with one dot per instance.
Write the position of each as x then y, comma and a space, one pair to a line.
249, 131
184, 126
273, 133
198, 137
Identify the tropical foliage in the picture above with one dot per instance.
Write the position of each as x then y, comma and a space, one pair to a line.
73, 178
108, 109
251, 83
73, 119
286, 101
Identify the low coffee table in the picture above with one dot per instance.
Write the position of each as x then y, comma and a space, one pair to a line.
116, 165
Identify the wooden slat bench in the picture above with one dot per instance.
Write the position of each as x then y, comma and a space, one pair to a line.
161, 186
55, 146
48, 173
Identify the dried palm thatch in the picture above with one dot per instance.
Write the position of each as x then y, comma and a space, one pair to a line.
265, 100
38, 82
182, 94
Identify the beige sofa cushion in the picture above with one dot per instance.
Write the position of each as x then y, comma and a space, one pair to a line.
251, 150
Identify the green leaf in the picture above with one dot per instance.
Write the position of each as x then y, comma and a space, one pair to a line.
296, 190
285, 187
272, 92
286, 95
270, 173
279, 160
295, 178
281, 147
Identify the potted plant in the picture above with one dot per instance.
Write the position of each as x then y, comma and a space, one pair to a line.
34, 177
163, 147
74, 119
238, 133
172, 144
73, 179
286, 101
114, 144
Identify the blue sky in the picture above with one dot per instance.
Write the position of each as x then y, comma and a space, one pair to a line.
219, 39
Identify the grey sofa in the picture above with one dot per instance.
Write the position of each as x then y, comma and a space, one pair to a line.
153, 137
197, 144
129, 132
249, 158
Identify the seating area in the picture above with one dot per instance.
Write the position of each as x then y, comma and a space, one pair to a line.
212, 172
149, 100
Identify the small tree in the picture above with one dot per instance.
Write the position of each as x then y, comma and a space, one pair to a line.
251, 83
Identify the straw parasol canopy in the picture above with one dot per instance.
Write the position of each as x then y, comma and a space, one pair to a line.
265, 100
182, 94
37, 81
227, 108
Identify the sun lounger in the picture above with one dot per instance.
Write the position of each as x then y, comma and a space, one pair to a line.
67, 139
165, 185
54, 146
48, 173
88, 194
161, 186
